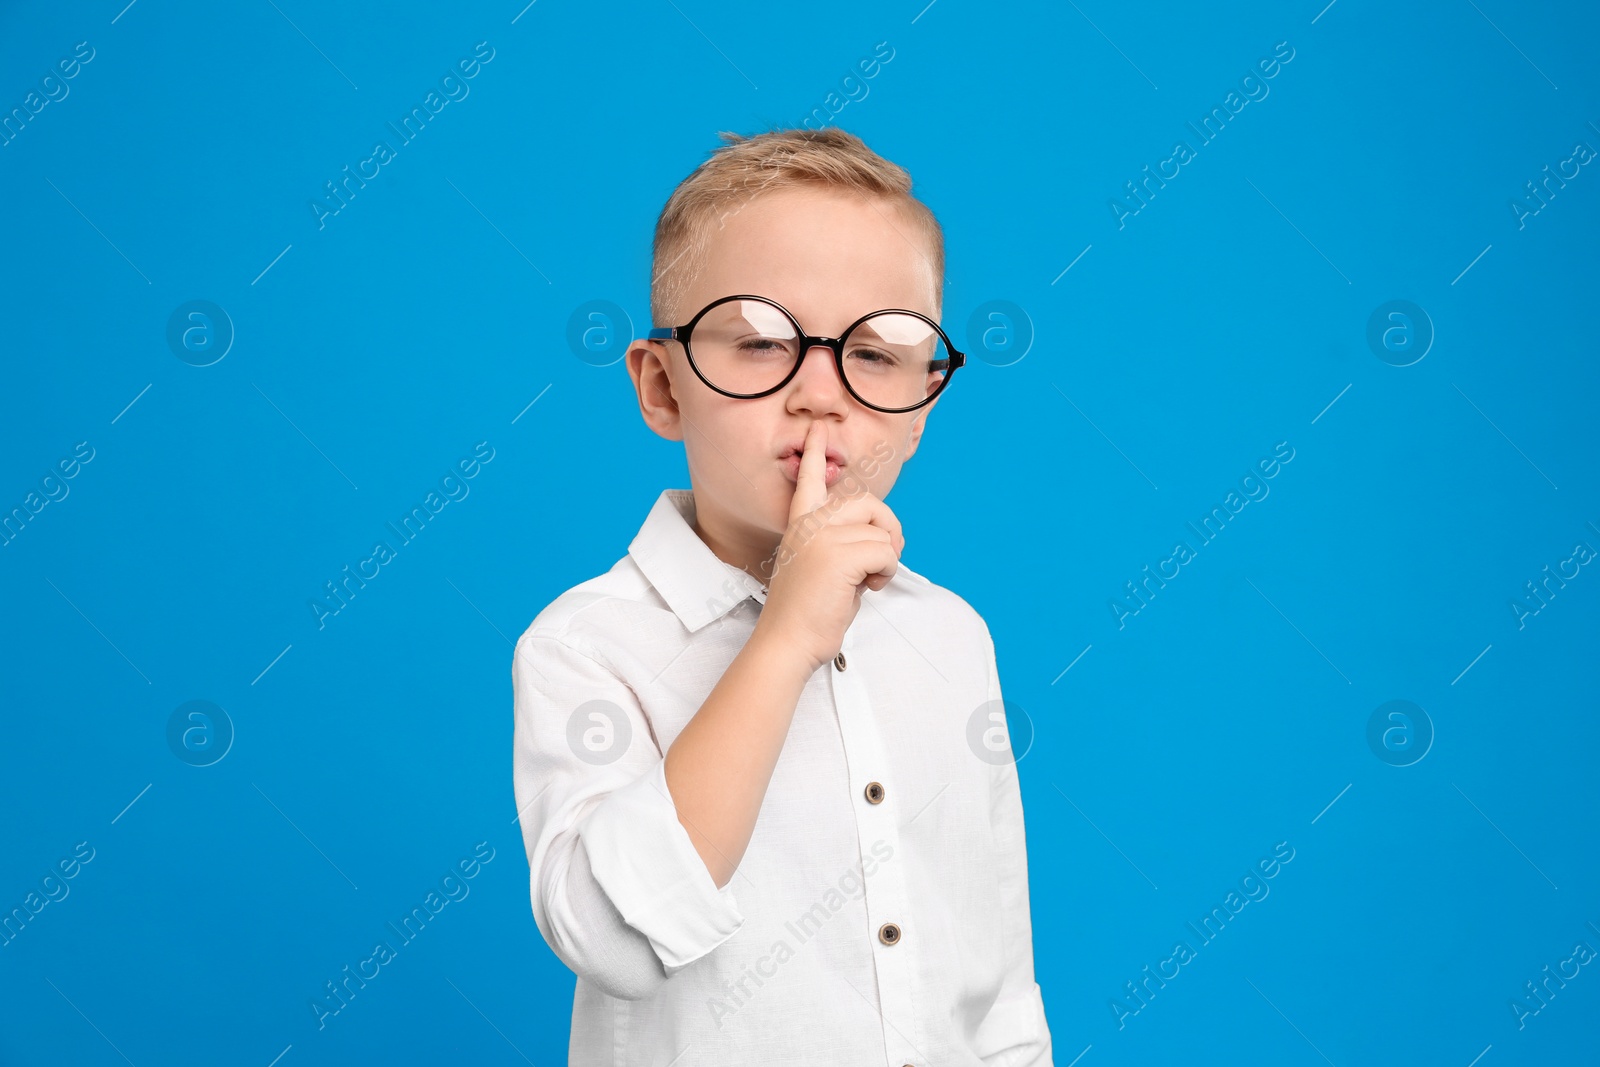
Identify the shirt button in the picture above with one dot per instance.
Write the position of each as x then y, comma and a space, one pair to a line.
838, 662
889, 934
874, 793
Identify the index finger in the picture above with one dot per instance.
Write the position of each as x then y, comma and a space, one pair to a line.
811, 483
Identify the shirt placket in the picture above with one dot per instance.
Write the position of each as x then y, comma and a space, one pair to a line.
876, 800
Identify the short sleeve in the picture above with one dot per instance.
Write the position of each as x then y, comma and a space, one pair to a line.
587, 772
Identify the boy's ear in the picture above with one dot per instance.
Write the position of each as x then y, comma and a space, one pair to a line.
649, 365
917, 426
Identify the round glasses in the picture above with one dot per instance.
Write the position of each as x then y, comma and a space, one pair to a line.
747, 346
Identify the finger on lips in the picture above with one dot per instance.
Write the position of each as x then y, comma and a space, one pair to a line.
811, 489
812, 492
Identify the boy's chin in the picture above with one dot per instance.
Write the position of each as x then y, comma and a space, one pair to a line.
764, 508
773, 514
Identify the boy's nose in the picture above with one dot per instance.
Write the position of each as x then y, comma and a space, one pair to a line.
819, 383
809, 357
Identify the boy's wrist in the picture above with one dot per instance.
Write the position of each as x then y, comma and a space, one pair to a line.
777, 656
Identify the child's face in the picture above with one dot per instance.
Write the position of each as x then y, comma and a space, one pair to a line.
829, 257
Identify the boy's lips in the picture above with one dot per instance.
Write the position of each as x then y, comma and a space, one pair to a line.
789, 460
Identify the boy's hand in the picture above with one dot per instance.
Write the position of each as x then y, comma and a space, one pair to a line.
836, 548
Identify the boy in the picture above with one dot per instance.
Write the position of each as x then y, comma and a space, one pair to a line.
761, 765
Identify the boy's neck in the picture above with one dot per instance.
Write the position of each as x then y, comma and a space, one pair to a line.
752, 555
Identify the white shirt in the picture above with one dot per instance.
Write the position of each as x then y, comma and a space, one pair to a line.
795, 960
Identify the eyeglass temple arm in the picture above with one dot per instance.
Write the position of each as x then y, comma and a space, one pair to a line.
664, 333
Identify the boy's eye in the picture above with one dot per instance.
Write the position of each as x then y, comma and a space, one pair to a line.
873, 357
764, 345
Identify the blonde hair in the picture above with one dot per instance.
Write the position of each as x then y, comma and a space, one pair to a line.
740, 170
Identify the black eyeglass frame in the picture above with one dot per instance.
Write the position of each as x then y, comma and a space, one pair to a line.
682, 334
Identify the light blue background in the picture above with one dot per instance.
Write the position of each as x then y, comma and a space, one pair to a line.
372, 354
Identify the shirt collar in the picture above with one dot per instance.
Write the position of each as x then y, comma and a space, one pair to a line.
699, 587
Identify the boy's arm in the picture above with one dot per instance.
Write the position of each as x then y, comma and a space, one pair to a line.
720, 764
1014, 1033
619, 892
